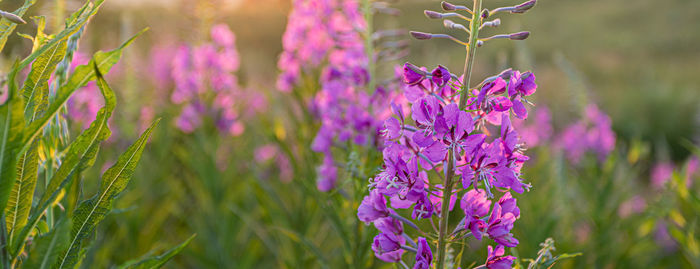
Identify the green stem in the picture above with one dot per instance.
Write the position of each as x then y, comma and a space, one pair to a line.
447, 191
445, 211
471, 50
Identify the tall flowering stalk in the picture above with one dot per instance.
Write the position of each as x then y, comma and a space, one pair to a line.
349, 98
450, 134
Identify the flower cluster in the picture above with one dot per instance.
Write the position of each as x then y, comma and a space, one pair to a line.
318, 30
442, 138
328, 34
592, 133
205, 83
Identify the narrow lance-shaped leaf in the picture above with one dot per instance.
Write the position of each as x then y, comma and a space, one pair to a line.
90, 212
80, 155
33, 130
11, 126
152, 262
36, 86
7, 26
80, 77
46, 248
36, 91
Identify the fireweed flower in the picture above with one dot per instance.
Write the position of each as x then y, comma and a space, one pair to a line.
204, 82
497, 260
424, 256
450, 131
328, 36
593, 133
417, 143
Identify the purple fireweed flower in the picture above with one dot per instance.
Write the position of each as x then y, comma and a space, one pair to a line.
387, 247
600, 138
327, 174
661, 173
440, 76
204, 82
592, 133
634, 205
490, 165
410, 76
372, 207
417, 143
497, 260
424, 257
475, 205
499, 225
519, 86
389, 225
423, 208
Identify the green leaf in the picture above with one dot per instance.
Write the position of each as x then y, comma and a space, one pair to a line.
11, 126
46, 248
35, 91
7, 27
20, 200
156, 261
80, 77
90, 212
36, 86
82, 152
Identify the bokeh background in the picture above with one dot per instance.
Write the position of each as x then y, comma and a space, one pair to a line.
637, 60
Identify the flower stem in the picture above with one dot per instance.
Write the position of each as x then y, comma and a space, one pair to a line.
471, 50
447, 192
445, 211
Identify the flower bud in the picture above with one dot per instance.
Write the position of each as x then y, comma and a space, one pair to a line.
485, 13
432, 14
448, 6
421, 35
479, 43
12, 17
519, 36
412, 75
441, 76
493, 23
452, 25
524, 6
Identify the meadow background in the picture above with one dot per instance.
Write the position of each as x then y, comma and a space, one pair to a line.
637, 60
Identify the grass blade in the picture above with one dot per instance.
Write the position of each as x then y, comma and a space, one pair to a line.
157, 261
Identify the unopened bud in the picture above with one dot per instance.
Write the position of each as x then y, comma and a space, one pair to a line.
432, 14
448, 6
12, 17
421, 35
479, 43
493, 23
524, 6
519, 36
484, 13
452, 25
